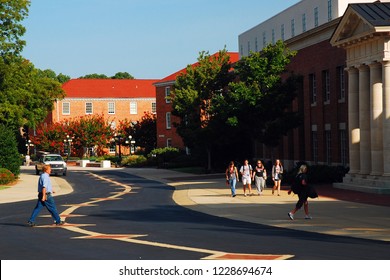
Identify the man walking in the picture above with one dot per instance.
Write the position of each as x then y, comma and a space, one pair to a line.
45, 198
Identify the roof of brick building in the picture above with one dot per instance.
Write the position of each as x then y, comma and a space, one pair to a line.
234, 57
110, 88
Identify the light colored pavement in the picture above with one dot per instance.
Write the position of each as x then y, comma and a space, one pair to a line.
210, 195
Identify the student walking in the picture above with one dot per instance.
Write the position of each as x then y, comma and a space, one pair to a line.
277, 171
246, 172
304, 191
259, 177
232, 177
45, 198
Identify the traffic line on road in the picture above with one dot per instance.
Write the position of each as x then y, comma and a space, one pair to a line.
133, 238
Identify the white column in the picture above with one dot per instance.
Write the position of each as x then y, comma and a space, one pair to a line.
353, 120
386, 118
364, 120
376, 119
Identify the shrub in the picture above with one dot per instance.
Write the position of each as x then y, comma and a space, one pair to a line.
6, 176
134, 161
9, 155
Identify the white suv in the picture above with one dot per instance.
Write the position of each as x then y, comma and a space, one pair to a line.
56, 162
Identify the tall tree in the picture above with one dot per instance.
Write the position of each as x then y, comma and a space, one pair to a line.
11, 14
26, 96
258, 102
192, 100
122, 75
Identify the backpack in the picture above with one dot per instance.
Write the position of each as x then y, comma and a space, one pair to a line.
296, 186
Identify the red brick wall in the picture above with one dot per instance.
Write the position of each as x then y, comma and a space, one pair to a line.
314, 60
122, 108
162, 132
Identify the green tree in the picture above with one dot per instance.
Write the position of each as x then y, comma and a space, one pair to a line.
9, 155
258, 103
91, 131
26, 97
122, 75
192, 101
94, 76
143, 132
48, 73
11, 14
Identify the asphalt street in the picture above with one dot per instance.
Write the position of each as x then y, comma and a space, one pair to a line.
112, 214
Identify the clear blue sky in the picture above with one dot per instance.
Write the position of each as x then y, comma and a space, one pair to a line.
146, 38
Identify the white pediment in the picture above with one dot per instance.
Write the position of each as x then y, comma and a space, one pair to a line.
352, 27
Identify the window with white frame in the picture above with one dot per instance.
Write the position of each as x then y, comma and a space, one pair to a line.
154, 107
343, 147
314, 144
167, 95
303, 22
282, 31
65, 108
273, 36
292, 28
328, 143
249, 46
313, 88
341, 77
264, 39
111, 108
88, 108
133, 108
168, 120
329, 10
316, 17
326, 79
169, 142
256, 45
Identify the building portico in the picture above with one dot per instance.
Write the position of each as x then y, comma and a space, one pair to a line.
365, 35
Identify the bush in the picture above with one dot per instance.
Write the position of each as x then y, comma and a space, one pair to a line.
6, 176
134, 161
9, 155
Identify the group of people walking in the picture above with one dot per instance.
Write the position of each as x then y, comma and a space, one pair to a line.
258, 174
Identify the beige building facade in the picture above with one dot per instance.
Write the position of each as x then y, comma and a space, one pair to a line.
364, 32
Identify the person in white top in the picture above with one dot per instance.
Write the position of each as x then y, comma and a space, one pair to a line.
246, 172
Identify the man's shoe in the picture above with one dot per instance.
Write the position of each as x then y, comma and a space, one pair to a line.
291, 216
308, 217
31, 224
60, 223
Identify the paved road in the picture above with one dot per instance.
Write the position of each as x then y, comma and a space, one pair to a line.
112, 214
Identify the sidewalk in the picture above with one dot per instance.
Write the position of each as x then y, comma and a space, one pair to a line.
336, 212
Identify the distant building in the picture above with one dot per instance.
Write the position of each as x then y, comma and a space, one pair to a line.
116, 99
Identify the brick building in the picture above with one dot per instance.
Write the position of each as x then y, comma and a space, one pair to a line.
114, 98
166, 132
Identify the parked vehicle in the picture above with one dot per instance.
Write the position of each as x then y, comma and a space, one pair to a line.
57, 164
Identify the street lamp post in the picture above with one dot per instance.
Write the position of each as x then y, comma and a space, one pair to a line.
28, 145
68, 143
130, 143
118, 140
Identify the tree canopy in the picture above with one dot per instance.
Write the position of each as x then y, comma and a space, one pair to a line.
223, 109
119, 75
11, 30
26, 97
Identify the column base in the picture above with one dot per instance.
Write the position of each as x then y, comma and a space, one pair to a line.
365, 183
